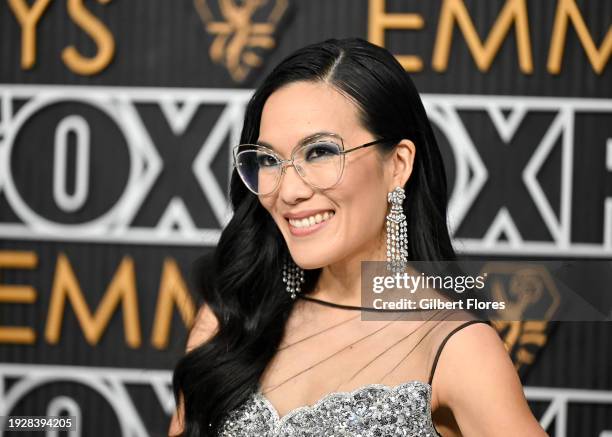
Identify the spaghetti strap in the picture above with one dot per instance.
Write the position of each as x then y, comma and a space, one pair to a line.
439, 351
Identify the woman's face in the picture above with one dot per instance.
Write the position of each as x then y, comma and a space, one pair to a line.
354, 209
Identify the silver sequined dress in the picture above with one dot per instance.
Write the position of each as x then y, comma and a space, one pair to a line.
375, 410
400, 408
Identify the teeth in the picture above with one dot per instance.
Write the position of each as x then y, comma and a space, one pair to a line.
312, 220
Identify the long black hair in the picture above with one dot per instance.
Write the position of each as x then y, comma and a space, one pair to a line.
245, 291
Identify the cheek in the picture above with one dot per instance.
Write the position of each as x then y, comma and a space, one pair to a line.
366, 214
364, 207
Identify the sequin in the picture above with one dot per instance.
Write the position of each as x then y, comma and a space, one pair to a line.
374, 410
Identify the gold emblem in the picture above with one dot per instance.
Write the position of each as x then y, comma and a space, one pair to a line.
526, 288
239, 36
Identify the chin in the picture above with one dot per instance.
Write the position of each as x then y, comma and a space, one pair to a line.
310, 262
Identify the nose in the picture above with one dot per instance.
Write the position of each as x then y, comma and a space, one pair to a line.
292, 186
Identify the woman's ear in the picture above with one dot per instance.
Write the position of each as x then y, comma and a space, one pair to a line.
401, 163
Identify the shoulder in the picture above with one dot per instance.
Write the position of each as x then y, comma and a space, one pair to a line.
204, 327
467, 349
475, 374
463, 341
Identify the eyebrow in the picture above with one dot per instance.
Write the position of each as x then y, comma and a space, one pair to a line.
300, 142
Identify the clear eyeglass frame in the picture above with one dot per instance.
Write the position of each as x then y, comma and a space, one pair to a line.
284, 163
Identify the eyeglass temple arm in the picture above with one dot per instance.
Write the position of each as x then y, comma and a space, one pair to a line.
371, 143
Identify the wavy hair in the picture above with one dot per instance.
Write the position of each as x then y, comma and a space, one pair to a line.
242, 284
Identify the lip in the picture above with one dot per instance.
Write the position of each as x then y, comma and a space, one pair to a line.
300, 232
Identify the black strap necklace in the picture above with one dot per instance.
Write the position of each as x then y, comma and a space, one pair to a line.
352, 307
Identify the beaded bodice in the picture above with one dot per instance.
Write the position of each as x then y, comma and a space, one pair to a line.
346, 377
374, 410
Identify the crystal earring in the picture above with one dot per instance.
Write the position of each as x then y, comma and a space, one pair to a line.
293, 276
397, 235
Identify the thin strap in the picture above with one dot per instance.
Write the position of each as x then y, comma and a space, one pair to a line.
352, 307
435, 362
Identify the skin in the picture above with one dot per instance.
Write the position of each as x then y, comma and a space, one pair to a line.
337, 247
474, 374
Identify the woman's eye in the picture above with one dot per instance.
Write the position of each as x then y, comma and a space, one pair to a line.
266, 160
317, 151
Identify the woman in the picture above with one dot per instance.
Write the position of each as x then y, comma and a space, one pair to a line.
337, 164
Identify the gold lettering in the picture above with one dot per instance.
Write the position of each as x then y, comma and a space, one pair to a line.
28, 19
172, 290
566, 10
122, 288
379, 21
17, 294
98, 32
513, 11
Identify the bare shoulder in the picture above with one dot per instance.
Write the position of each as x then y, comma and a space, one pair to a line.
468, 352
204, 327
476, 379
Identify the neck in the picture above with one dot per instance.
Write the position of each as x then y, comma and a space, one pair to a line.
340, 282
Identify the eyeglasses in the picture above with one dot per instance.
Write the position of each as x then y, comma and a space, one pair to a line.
319, 161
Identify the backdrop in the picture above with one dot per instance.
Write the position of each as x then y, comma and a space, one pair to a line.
116, 121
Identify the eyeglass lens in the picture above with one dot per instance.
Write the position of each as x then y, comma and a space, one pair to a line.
319, 163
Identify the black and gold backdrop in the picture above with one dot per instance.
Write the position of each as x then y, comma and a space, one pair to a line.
116, 118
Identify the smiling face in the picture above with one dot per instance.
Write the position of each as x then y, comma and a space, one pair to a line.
337, 222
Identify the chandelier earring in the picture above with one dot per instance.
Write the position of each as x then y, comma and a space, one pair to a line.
397, 232
293, 276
